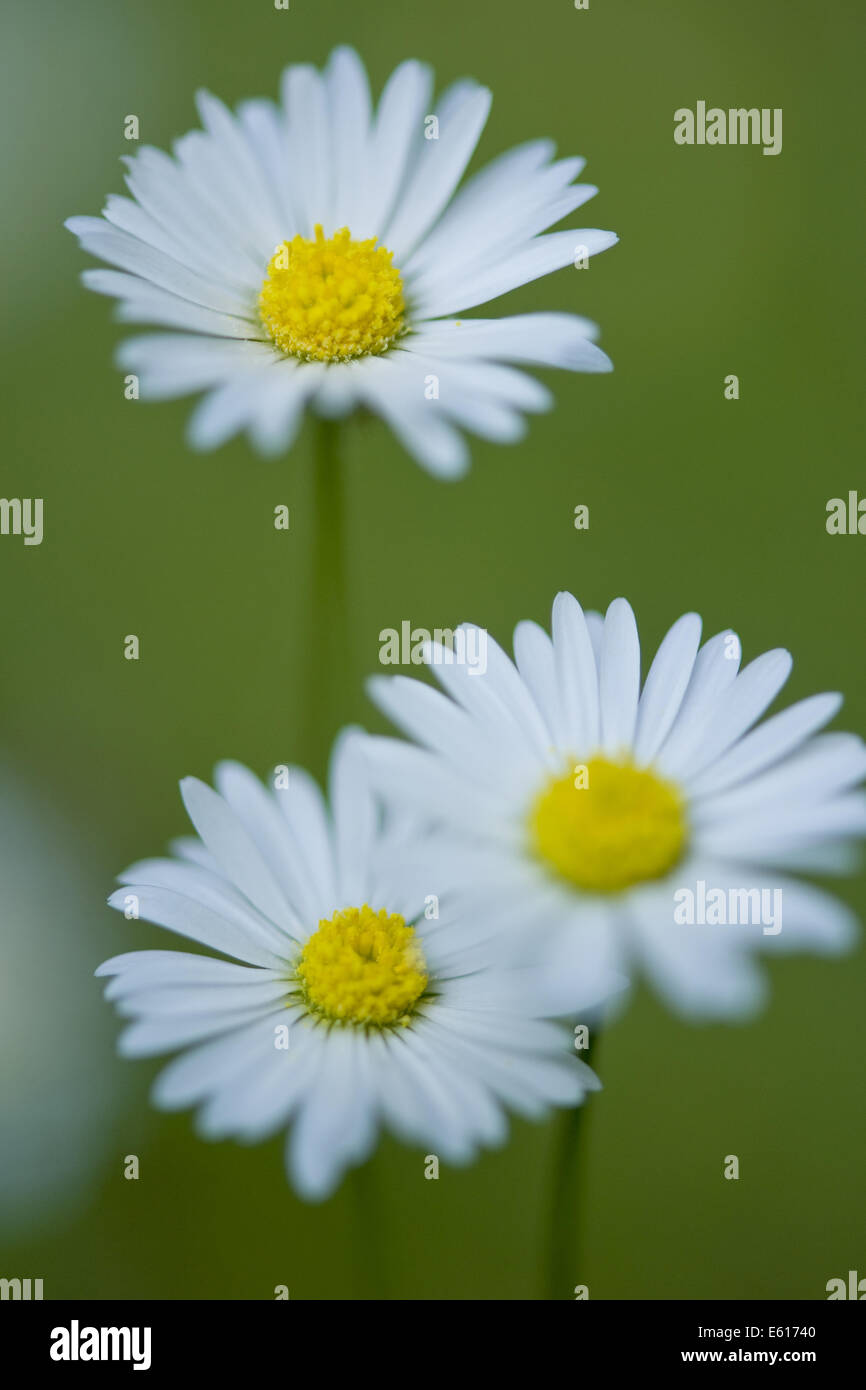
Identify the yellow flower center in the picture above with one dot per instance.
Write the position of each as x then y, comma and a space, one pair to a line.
363, 967
329, 300
606, 825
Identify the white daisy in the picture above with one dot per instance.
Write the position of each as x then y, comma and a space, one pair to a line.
571, 799
350, 1009
313, 253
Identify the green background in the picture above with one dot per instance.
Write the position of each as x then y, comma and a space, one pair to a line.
729, 262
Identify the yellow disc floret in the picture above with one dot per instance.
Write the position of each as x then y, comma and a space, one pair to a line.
607, 825
330, 299
363, 967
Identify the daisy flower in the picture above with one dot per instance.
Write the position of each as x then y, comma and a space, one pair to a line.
570, 799
348, 1003
313, 253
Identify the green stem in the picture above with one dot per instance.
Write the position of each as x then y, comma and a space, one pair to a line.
566, 1234
329, 628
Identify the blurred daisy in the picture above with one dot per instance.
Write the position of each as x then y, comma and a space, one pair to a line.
64, 1109
314, 252
353, 1007
570, 798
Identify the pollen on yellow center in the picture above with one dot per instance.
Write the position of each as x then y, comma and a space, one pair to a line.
607, 825
363, 967
328, 300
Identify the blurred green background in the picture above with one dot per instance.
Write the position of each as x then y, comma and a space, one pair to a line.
729, 262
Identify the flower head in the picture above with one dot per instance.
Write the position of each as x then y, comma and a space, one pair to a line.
312, 253
351, 998
647, 829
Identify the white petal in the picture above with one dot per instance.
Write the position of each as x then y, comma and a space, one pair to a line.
188, 1001
217, 182
578, 963
409, 775
397, 130
261, 1097
423, 431
595, 628
355, 818
267, 946
809, 919
148, 1037
665, 687
483, 205
305, 813
698, 971
135, 970
129, 216
524, 1082
128, 253
715, 669
279, 410
305, 102
141, 302
513, 693
577, 676
251, 189
438, 166
265, 130
192, 851
268, 400
202, 886
334, 1123
500, 226
200, 224
232, 847
439, 723
348, 96
212, 1066
841, 857
536, 662
260, 814
335, 395
545, 340
472, 384
619, 678
828, 765
756, 837
753, 690
812, 920
426, 1100
766, 745
491, 698
175, 364
540, 257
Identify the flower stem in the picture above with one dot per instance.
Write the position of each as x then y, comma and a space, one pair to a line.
329, 627
565, 1229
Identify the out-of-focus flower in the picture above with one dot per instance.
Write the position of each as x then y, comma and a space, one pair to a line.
643, 830
58, 1096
